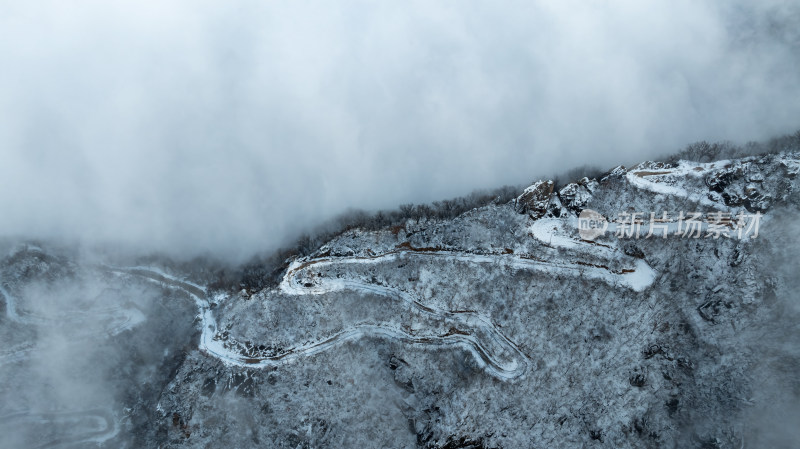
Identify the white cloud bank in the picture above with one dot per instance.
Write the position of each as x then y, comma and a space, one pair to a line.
193, 126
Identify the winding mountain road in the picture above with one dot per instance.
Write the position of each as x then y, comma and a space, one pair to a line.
469, 330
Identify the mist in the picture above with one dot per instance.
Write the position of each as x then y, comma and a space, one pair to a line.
231, 127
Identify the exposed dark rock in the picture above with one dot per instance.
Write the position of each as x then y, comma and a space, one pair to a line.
535, 199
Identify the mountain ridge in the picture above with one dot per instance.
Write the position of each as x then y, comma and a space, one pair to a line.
498, 327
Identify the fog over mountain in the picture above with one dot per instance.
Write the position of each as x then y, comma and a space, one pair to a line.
185, 260
231, 127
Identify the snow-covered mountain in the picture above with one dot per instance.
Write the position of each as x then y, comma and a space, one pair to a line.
502, 327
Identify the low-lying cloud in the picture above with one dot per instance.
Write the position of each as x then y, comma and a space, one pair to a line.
232, 126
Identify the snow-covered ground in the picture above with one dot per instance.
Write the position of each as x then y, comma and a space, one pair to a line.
491, 329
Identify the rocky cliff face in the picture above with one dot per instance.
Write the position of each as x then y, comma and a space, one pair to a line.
534, 199
502, 327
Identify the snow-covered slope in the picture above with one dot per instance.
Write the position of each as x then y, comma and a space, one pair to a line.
502, 327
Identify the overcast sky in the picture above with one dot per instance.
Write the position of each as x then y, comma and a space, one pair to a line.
229, 126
